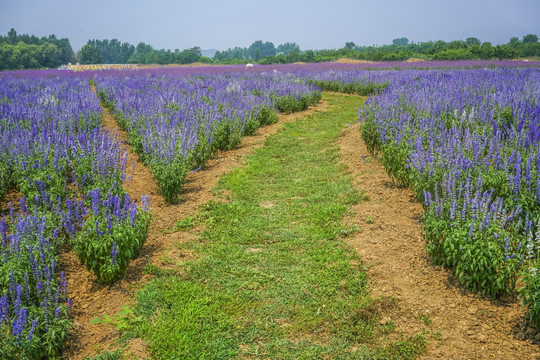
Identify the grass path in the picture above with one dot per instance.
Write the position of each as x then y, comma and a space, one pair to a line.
270, 276
91, 299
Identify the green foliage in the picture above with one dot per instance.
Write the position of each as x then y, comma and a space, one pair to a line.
251, 125
227, 135
184, 224
362, 89
122, 321
472, 41
146, 54
371, 136
530, 49
483, 263
113, 51
266, 116
289, 104
530, 293
22, 51
5, 179
107, 355
89, 54
100, 238
49, 338
394, 158
28, 56
170, 178
401, 41
506, 52
45, 343
530, 38
454, 54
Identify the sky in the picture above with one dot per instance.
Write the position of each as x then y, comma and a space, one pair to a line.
315, 24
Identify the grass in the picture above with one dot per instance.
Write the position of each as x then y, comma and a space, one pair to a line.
273, 279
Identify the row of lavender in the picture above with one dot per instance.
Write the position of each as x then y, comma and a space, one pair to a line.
467, 141
176, 123
64, 174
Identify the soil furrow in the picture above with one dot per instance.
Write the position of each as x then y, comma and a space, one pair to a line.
458, 324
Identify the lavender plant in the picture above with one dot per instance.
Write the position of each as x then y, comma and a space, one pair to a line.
53, 153
112, 235
176, 122
467, 142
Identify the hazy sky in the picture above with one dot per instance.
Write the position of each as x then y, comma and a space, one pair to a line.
312, 24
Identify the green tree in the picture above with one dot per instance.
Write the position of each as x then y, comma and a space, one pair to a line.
238, 53
531, 49
268, 49
139, 55
456, 44
309, 56
350, 45
126, 52
514, 41
294, 56
12, 37
486, 51
191, 55
89, 54
506, 51
530, 38
403, 41
48, 55
65, 51
287, 47
471, 41
257, 45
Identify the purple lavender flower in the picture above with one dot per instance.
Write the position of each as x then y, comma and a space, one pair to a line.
114, 253
32, 329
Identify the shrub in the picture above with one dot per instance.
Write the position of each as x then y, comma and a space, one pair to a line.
112, 235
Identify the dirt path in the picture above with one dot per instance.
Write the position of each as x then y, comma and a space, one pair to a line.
93, 300
461, 325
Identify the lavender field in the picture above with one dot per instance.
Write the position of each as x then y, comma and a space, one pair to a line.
467, 142
463, 135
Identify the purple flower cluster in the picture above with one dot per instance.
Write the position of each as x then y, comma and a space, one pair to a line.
54, 151
472, 141
34, 290
168, 114
112, 235
177, 122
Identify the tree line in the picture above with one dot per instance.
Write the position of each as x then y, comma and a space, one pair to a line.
31, 52
115, 52
402, 49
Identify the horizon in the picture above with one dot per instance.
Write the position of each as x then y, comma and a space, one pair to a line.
320, 26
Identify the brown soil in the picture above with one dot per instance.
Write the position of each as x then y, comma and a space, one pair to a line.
352, 61
461, 325
91, 299
13, 198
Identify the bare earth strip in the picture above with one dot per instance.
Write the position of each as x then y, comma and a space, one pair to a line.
91, 299
461, 325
